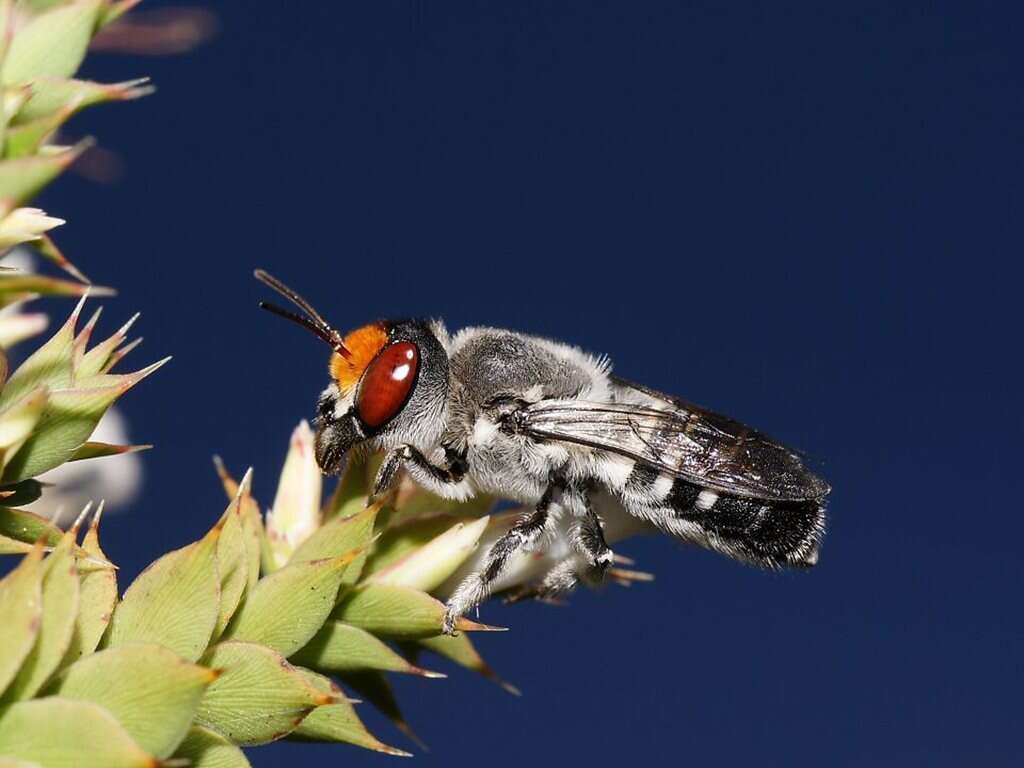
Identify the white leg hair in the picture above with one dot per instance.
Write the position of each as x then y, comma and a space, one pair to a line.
476, 587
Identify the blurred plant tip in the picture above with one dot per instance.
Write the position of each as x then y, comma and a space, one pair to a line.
159, 31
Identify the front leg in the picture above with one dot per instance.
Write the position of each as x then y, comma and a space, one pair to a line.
448, 481
475, 588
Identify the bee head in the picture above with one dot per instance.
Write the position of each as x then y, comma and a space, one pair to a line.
389, 382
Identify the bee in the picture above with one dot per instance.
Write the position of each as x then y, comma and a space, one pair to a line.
535, 420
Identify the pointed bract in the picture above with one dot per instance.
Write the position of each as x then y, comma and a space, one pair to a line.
460, 650
340, 647
89, 736
60, 596
204, 748
427, 567
260, 697
338, 722
174, 602
289, 606
24, 528
398, 612
295, 513
21, 179
153, 693
21, 605
48, 95
53, 43
97, 596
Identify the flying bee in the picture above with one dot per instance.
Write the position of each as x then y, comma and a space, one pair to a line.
531, 419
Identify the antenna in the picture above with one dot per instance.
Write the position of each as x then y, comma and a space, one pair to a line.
313, 323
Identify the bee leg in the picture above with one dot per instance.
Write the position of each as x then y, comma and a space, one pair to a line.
477, 586
448, 481
559, 580
587, 537
386, 474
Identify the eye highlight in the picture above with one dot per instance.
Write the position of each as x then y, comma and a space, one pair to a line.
387, 383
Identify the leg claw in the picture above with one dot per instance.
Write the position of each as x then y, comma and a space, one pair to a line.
449, 622
603, 560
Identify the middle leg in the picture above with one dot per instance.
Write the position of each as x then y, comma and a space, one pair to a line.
477, 586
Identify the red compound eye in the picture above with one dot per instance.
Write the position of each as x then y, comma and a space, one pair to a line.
387, 383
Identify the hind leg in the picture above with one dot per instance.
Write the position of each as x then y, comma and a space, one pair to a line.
587, 538
592, 556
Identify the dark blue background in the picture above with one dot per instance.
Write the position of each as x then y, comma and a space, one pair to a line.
804, 214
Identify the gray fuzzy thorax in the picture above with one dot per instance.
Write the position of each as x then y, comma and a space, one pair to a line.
491, 369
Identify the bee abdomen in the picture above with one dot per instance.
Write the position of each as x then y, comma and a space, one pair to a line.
768, 533
765, 532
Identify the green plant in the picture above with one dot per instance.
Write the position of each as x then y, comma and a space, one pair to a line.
236, 639
242, 637
51, 404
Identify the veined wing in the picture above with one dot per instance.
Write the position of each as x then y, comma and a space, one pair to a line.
680, 439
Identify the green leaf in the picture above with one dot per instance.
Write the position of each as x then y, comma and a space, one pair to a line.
18, 421
47, 249
14, 288
353, 488
10, 546
21, 605
232, 557
60, 588
338, 536
10, 762
397, 541
70, 417
12, 98
91, 450
20, 494
252, 522
337, 722
52, 44
57, 733
51, 95
48, 366
98, 358
396, 612
115, 9
429, 566
21, 529
252, 525
259, 698
26, 139
21, 179
204, 748
97, 597
174, 602
288, 607
460, 650
419, 503
339, 647
35, 7
152, 692
374, 688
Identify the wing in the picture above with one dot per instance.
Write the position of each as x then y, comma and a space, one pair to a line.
680, 439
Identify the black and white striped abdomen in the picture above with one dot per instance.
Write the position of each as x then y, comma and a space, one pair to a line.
769, 533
